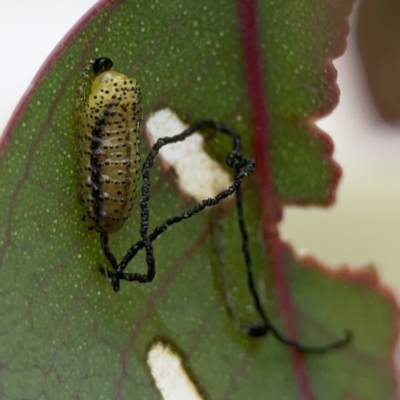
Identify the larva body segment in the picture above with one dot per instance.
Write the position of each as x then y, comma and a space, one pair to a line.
108, 117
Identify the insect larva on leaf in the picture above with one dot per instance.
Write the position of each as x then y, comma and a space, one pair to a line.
108, 117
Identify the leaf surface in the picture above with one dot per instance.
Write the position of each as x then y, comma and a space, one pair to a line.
263, 68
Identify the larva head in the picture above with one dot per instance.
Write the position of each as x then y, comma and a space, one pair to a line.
102, 64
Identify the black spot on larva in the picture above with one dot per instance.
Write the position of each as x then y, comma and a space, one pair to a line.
107, 177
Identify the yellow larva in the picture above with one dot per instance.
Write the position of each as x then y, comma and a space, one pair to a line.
108, 116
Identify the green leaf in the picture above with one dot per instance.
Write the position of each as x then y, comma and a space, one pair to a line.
263, 68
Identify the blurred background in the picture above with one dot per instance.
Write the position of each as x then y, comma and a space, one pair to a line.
363, 226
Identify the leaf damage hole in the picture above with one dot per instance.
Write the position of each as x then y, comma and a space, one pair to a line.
171, 378
198, 175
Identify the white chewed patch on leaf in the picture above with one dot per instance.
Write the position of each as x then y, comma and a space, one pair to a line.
197, 173
171, 378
